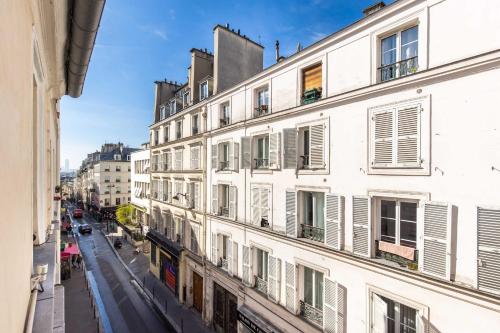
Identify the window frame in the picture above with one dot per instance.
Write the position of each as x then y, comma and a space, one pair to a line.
178, 129
326, 146
313, 287
186, 101
202, 90
222, 110
255, 142
256, 110
195, 124
397, 219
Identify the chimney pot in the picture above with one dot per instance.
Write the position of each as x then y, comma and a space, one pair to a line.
238, 31
227, 25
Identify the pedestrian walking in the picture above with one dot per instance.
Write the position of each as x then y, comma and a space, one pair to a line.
79, 261
73, 261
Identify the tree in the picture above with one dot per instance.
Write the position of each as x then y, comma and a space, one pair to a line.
124, 214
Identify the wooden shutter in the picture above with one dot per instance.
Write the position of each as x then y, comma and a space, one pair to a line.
246, 152
215, 158
317, 146
290, 291
247, 274
233, 197
215, 199
408, 145
229, 256
312, 77
214, 248
334, 221
382, 138
291, 222
290, 148
436, 256
274, 150
235, 258
264, 203
361, 219
341, 308
197, 196
255, 205
379, 315
235, 159
488, 240
273, 278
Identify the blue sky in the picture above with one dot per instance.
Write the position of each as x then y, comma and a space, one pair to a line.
143, 41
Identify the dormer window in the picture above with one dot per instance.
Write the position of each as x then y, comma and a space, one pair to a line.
399, 54
262, 101
173, 107
186, 99
163, 113
117, 157
203, 90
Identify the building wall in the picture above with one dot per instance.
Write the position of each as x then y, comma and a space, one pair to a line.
30, 121
136, 176
124, 185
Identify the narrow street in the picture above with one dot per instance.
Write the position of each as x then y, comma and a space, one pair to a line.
127, 310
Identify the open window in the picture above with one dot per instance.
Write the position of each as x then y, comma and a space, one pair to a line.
311, 215
261, 104
260, 204
225, 156
224, 115
195, 124
399, 54
311, 300
261, 258
224, 200
178, 129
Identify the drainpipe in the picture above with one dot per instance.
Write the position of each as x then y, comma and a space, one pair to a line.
31, 312
85, 19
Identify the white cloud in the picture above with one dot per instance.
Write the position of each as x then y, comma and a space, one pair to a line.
158, 32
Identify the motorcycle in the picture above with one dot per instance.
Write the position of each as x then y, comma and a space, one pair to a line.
117, 244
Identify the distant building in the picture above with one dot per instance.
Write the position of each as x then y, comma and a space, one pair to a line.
140, 182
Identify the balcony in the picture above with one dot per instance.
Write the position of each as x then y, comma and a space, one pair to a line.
224, 211
261, 285
222, 264
261, 163
195, 130
398, 69
223, 122
311, 314
224, 165
261, 110
311, 96
312, 233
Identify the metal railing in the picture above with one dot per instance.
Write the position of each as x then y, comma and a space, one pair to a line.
399, 69
261, 285
311, 314
222, 263
313, 233
311, 95
195, 130
223, 122
305, 161
223, 165
100, 314
224, 211
261, 163
261, 110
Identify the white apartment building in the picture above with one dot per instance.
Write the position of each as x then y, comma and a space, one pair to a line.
140, 182
354, 185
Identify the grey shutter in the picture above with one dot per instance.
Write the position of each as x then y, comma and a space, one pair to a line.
273, 278
215, 158
214, 248
291, 222
255, 205
317, 149
436, 256
235, 259
229, 256
408, 145
233, 197
334, 221
215, 199
361, 219
274, 150
290, 148
341, 308
290, 292
247, 274
488, 239
382, 138
246, 152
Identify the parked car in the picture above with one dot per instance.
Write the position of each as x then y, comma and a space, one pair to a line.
84, 229
77, 213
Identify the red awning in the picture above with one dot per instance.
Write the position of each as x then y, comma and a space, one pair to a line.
71, 249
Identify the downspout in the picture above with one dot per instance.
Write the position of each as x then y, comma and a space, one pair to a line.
31, 311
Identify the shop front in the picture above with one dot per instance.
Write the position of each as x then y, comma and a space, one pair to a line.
253, 323
225, 310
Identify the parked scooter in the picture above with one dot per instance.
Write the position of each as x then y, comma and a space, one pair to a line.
117, 244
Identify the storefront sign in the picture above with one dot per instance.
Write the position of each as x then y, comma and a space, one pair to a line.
249, 323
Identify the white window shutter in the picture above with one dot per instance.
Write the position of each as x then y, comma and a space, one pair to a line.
235, 259
290, 290
229, 256
233, 198
215, 158
169, 160
408, 145
215, 199
160, 189
264, 204
169, 188
362, 231
330, 306
178, 159
214, 248
247, 274
291, 220
273, 278
317, 148
197, 196
195, 158
274, 150
236, 153
334, 221
246, 152
379, 315
231, 155
436, 256
255, 205
382, 138
488, 238
290, 148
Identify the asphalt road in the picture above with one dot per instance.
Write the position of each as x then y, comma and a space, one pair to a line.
127, 310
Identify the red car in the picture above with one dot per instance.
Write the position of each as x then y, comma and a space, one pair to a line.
77, 213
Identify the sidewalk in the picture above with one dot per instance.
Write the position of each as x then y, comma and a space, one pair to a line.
79, 312
179, 316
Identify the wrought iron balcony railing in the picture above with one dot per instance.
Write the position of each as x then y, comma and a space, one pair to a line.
313, 233
195, 130
261, 110
261, 163
311, 314
399, 69
261, 285
222, 263
224, 211
223, 165
311, 95
223, 122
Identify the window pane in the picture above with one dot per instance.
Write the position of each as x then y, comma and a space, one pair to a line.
306, 142
391, 324
260, 271
409, 43
408, 233
388, 230
308, 286
389, 50
264, 265
308, 208
388, 209
409, 35
320, 210
409, 211
407, 319
318, 292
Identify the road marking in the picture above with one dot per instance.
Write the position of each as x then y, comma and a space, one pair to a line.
132, 261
